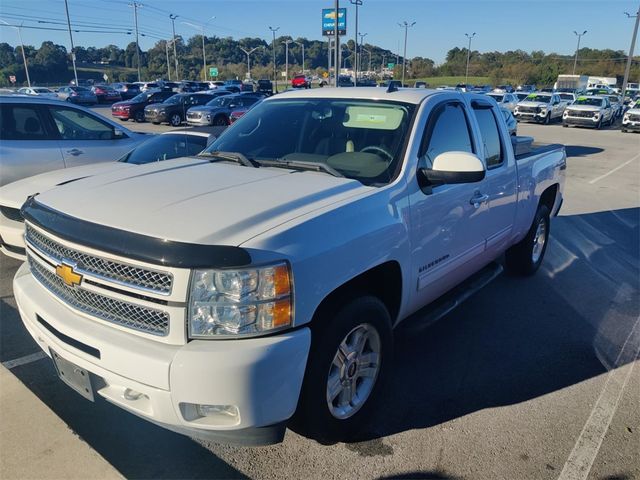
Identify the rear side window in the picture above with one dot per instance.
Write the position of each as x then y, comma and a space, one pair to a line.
493, 153
447, 131
78, 125
22, 122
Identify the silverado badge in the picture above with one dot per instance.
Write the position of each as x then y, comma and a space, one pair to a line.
68, 276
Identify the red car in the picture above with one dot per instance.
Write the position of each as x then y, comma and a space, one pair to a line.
240, 111
105, 93
300, 81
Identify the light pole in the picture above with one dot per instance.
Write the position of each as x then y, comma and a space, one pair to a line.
633, 44
406, 25
575, 61
286, 58
466, 75
166, 48
248, 53
359, 58
336, 37
273, 49
369, 52
73, 55
175, 51
357, 3
135, 6
204, 52
302, 45
24, 57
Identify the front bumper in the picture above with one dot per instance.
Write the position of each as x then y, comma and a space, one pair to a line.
155, 117
121, 114
12, 238
581, 121
202, 121
261, 377
530, 116
633, 125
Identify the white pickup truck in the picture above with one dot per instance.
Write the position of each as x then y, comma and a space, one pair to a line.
260, 286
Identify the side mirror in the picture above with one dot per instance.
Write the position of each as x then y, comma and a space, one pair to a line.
451, 168
117, 134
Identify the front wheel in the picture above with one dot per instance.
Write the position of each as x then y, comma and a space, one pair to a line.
599, 124
547, 119
525, 257
175, 120
349, 358
139, 116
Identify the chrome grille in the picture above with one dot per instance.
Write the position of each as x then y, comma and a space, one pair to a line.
527, 109
581, 113
634, 118
135, 277
123, 313
194, 115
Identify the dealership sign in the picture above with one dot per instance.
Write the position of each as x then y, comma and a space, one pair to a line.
329, 21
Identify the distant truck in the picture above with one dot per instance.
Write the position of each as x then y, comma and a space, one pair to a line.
602, 82
571, 82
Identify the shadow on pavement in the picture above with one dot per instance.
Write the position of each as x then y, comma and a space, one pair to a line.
419, 475
581, 150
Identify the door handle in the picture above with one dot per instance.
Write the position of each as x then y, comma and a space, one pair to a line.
75, 152
478, 199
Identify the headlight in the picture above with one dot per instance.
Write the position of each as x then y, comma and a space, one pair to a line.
566, 113
626, 116
243, 302
542, 110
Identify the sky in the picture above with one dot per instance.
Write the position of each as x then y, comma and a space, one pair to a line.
440, 24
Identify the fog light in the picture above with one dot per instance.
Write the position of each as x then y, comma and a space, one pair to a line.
130, 394
215, 415
217, 410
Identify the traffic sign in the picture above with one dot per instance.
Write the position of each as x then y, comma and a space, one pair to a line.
325, 75
390, 65
213, 72
105, 76
12, 78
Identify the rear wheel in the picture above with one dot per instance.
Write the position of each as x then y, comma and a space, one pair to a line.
175, 120
525, 257
349, 358
219, 121
139, 116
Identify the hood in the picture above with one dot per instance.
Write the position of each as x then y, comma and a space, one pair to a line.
127, 103
584, 108
633, 111
15, 194
205, 108
199, 201
531, 103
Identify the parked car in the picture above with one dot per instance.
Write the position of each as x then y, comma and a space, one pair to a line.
213, 84
134, 108
38, 91
39, 134
265, 86
631, 118
567, 97
174, 110
616, 105
391, 83
240, 111
540, 107
79, 95
505, 100
144, 86
420, 85
345, 81
504, 88
300, 81
589, 111
510, 121
521, 95
526, 88
126, 90
156, 148
217, 111
106, 94
366, 207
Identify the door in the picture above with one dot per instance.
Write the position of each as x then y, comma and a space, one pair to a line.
447, 233
500, 179
556, 107
85, 138
27, 144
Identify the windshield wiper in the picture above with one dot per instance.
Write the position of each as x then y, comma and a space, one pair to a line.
236, 157
298, 165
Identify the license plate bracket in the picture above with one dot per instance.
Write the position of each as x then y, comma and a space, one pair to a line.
77, 378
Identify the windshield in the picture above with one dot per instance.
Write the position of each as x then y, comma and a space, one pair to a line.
222, 101
539, 98
141, 97
566, 96
174, 100
360, 139
498, 98
594, 102
165, 147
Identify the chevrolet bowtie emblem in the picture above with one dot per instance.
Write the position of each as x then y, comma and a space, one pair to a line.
68, 276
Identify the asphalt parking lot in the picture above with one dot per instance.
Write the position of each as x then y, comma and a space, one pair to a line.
530, 379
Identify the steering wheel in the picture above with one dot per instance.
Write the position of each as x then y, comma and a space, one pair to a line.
378, 150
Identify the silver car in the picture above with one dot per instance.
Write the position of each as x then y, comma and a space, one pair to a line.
504, 100
77, 95
38, 135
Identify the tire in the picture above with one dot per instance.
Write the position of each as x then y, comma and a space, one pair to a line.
547, 119
123, 119
565, 125
139, 116
599, 125
525, 257
328, 421
219, 121
156, 123
623, 130
175, 120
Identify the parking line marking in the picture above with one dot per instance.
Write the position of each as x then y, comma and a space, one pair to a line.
597, 179
580, 461
16, 362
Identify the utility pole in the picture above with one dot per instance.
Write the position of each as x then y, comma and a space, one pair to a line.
286, 58
633, 44
24, 57
175, 51
166, 48
135, 6
273, 49
73, 54
362, 35
466, 75
355, 43
369, 52
575, 61
248, 53
302, 45
336, 37
406, 25
384, 57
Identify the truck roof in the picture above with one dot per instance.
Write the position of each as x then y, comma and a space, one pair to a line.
407, 95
